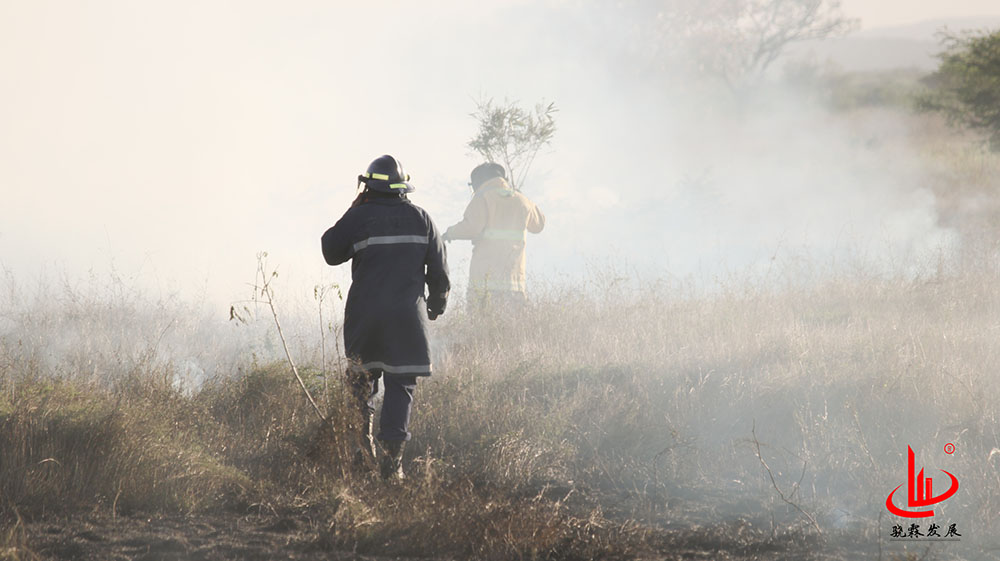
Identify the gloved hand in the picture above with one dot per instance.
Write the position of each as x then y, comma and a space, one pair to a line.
433, 314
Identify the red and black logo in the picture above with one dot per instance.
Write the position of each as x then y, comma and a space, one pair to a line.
920, 491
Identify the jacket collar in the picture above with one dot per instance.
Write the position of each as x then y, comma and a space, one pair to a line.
494, 183
388, 200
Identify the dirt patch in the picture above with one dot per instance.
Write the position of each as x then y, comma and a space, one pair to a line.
298, 536
168, 538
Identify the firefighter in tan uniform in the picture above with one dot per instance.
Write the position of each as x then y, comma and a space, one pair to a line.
496, 221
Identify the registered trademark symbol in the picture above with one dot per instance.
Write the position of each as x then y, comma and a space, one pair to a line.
949, 448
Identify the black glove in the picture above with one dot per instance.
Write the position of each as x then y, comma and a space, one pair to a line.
435, 305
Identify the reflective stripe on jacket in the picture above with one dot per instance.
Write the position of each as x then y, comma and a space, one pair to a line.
496, 221
395, 250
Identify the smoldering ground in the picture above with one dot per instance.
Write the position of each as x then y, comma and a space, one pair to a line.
722, 269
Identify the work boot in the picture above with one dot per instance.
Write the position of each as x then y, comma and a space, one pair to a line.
364, 456
392, 460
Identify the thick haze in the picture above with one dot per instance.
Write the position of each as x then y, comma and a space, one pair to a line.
175, 141
879, 13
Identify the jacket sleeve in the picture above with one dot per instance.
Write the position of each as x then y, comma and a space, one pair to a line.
438, 284
536, 220
336, 242
473, 223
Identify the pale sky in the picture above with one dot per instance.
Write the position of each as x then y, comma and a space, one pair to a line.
879, 13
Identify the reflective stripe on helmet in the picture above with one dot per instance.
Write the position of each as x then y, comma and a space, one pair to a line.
386, 240
381, 176
398, 185
501, 234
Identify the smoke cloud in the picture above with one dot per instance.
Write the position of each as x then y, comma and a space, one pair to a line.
174, 143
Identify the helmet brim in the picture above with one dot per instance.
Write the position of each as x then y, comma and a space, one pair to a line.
386, 187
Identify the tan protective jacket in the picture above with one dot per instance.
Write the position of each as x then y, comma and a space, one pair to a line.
495, 221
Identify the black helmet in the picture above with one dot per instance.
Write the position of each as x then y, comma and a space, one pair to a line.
385, 174
484, 172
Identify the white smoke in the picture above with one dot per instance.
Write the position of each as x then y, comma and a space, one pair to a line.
175, 143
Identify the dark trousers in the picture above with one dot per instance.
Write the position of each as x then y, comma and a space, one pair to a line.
394, 420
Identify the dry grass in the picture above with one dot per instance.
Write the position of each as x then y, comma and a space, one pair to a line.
597, 426
68, 448
573, 434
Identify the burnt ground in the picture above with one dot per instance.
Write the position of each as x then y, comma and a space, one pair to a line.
177, 537
230, 536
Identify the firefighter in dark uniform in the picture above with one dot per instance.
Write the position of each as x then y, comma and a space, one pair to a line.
395, 250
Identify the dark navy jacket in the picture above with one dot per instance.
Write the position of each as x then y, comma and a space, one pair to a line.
396, 249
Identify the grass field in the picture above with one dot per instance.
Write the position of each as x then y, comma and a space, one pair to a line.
765, 418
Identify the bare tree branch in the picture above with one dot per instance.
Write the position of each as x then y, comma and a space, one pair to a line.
738, 40
512, 136
267, 293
